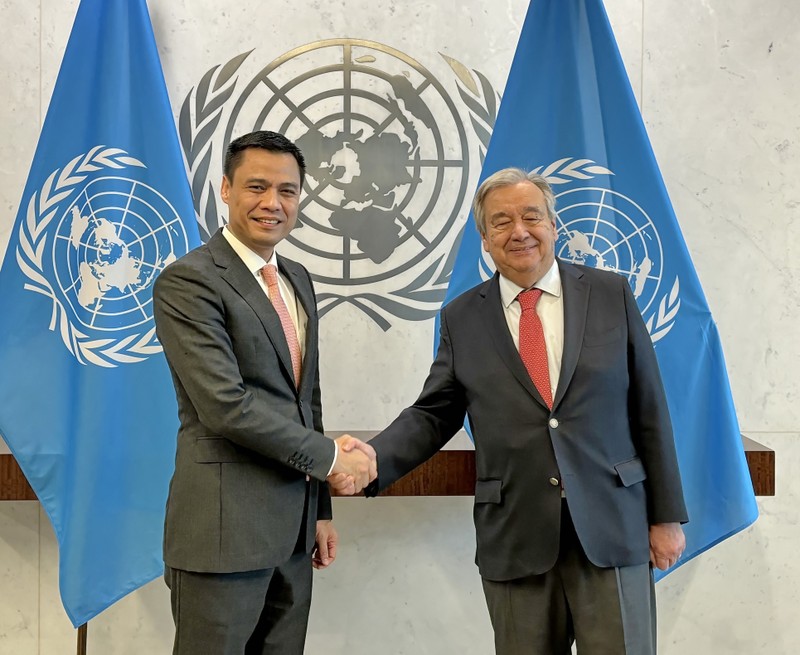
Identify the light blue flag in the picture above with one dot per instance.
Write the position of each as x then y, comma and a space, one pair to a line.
86, 401
568, 112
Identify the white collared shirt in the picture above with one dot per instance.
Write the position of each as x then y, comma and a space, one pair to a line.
255, 263
550, 310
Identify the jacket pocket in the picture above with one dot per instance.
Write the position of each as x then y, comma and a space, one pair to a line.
630, 471
489, 491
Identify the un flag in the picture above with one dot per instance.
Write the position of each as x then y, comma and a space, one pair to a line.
86, 401
568, 113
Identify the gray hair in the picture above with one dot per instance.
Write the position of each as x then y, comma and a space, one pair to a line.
509, 177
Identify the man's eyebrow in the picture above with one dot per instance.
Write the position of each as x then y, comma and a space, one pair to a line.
525, 210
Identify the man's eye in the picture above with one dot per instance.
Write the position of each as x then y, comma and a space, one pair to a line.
256, 187
533, 220
502, 225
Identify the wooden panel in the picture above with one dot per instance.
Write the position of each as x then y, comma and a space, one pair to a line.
448, 473
761, 462
13, 485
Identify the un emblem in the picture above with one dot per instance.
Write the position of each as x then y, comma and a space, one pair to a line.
93, 242
388, 165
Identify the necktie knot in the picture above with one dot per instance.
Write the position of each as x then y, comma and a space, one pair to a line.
270, 274
528, 299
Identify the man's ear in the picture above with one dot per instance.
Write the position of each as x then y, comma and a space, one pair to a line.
225, 189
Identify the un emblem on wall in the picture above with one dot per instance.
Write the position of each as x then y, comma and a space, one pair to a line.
93, 242
388, 165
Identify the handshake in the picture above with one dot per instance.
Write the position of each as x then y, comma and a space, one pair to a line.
356, 466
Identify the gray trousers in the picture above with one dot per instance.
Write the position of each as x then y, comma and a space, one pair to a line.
252, 613
605, 611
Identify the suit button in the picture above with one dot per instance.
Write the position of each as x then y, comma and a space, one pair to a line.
554, 482
553, 422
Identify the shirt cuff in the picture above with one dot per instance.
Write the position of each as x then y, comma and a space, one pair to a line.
335, 455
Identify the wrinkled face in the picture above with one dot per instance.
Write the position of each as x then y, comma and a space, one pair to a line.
263, 198
520, 237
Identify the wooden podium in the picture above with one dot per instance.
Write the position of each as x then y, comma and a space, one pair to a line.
448, 473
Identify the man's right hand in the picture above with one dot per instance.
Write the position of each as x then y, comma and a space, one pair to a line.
355, 468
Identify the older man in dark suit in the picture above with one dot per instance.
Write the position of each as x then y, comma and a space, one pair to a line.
248, 500
578, 492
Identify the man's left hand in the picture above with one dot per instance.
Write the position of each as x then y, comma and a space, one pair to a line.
667, 543
325, 548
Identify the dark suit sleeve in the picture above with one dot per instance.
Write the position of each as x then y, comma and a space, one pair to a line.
651, 426
422, 429
191, 325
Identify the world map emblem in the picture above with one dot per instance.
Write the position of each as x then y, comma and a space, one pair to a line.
93, 242
388, 165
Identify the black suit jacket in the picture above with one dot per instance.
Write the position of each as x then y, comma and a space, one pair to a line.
608, 438
248, 435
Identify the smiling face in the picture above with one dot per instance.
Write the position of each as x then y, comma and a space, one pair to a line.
520, 236
263, 197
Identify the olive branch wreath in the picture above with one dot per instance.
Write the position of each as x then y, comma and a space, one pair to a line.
43, 207
208, 100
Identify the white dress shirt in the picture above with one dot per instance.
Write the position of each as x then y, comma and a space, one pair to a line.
550, 310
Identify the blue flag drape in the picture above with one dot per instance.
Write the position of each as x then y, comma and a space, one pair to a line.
86, 401
569, 113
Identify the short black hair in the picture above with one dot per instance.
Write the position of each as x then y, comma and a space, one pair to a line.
266, 140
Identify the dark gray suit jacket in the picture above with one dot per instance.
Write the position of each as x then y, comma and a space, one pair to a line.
608, 438
248, 437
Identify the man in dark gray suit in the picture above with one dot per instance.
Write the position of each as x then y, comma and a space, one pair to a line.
578, 492
248, 500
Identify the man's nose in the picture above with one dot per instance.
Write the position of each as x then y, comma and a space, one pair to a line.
270, 198
519, 231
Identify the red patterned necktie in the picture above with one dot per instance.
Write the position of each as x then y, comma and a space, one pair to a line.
531, 344
269, 273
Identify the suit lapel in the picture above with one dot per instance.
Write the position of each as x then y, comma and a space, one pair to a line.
235, 273
497, 327
576, 301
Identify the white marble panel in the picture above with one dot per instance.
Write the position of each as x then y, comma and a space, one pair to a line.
625, 17
19, 577
19, 113
721, 93
57, 18
742, 596
404, 581
4, 449
142, 617
56, 634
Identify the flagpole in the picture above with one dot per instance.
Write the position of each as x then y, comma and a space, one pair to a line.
82, 630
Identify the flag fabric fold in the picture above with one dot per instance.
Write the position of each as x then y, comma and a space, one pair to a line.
86, 401
569, 113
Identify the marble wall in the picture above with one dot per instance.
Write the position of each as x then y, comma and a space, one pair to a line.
718, 84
